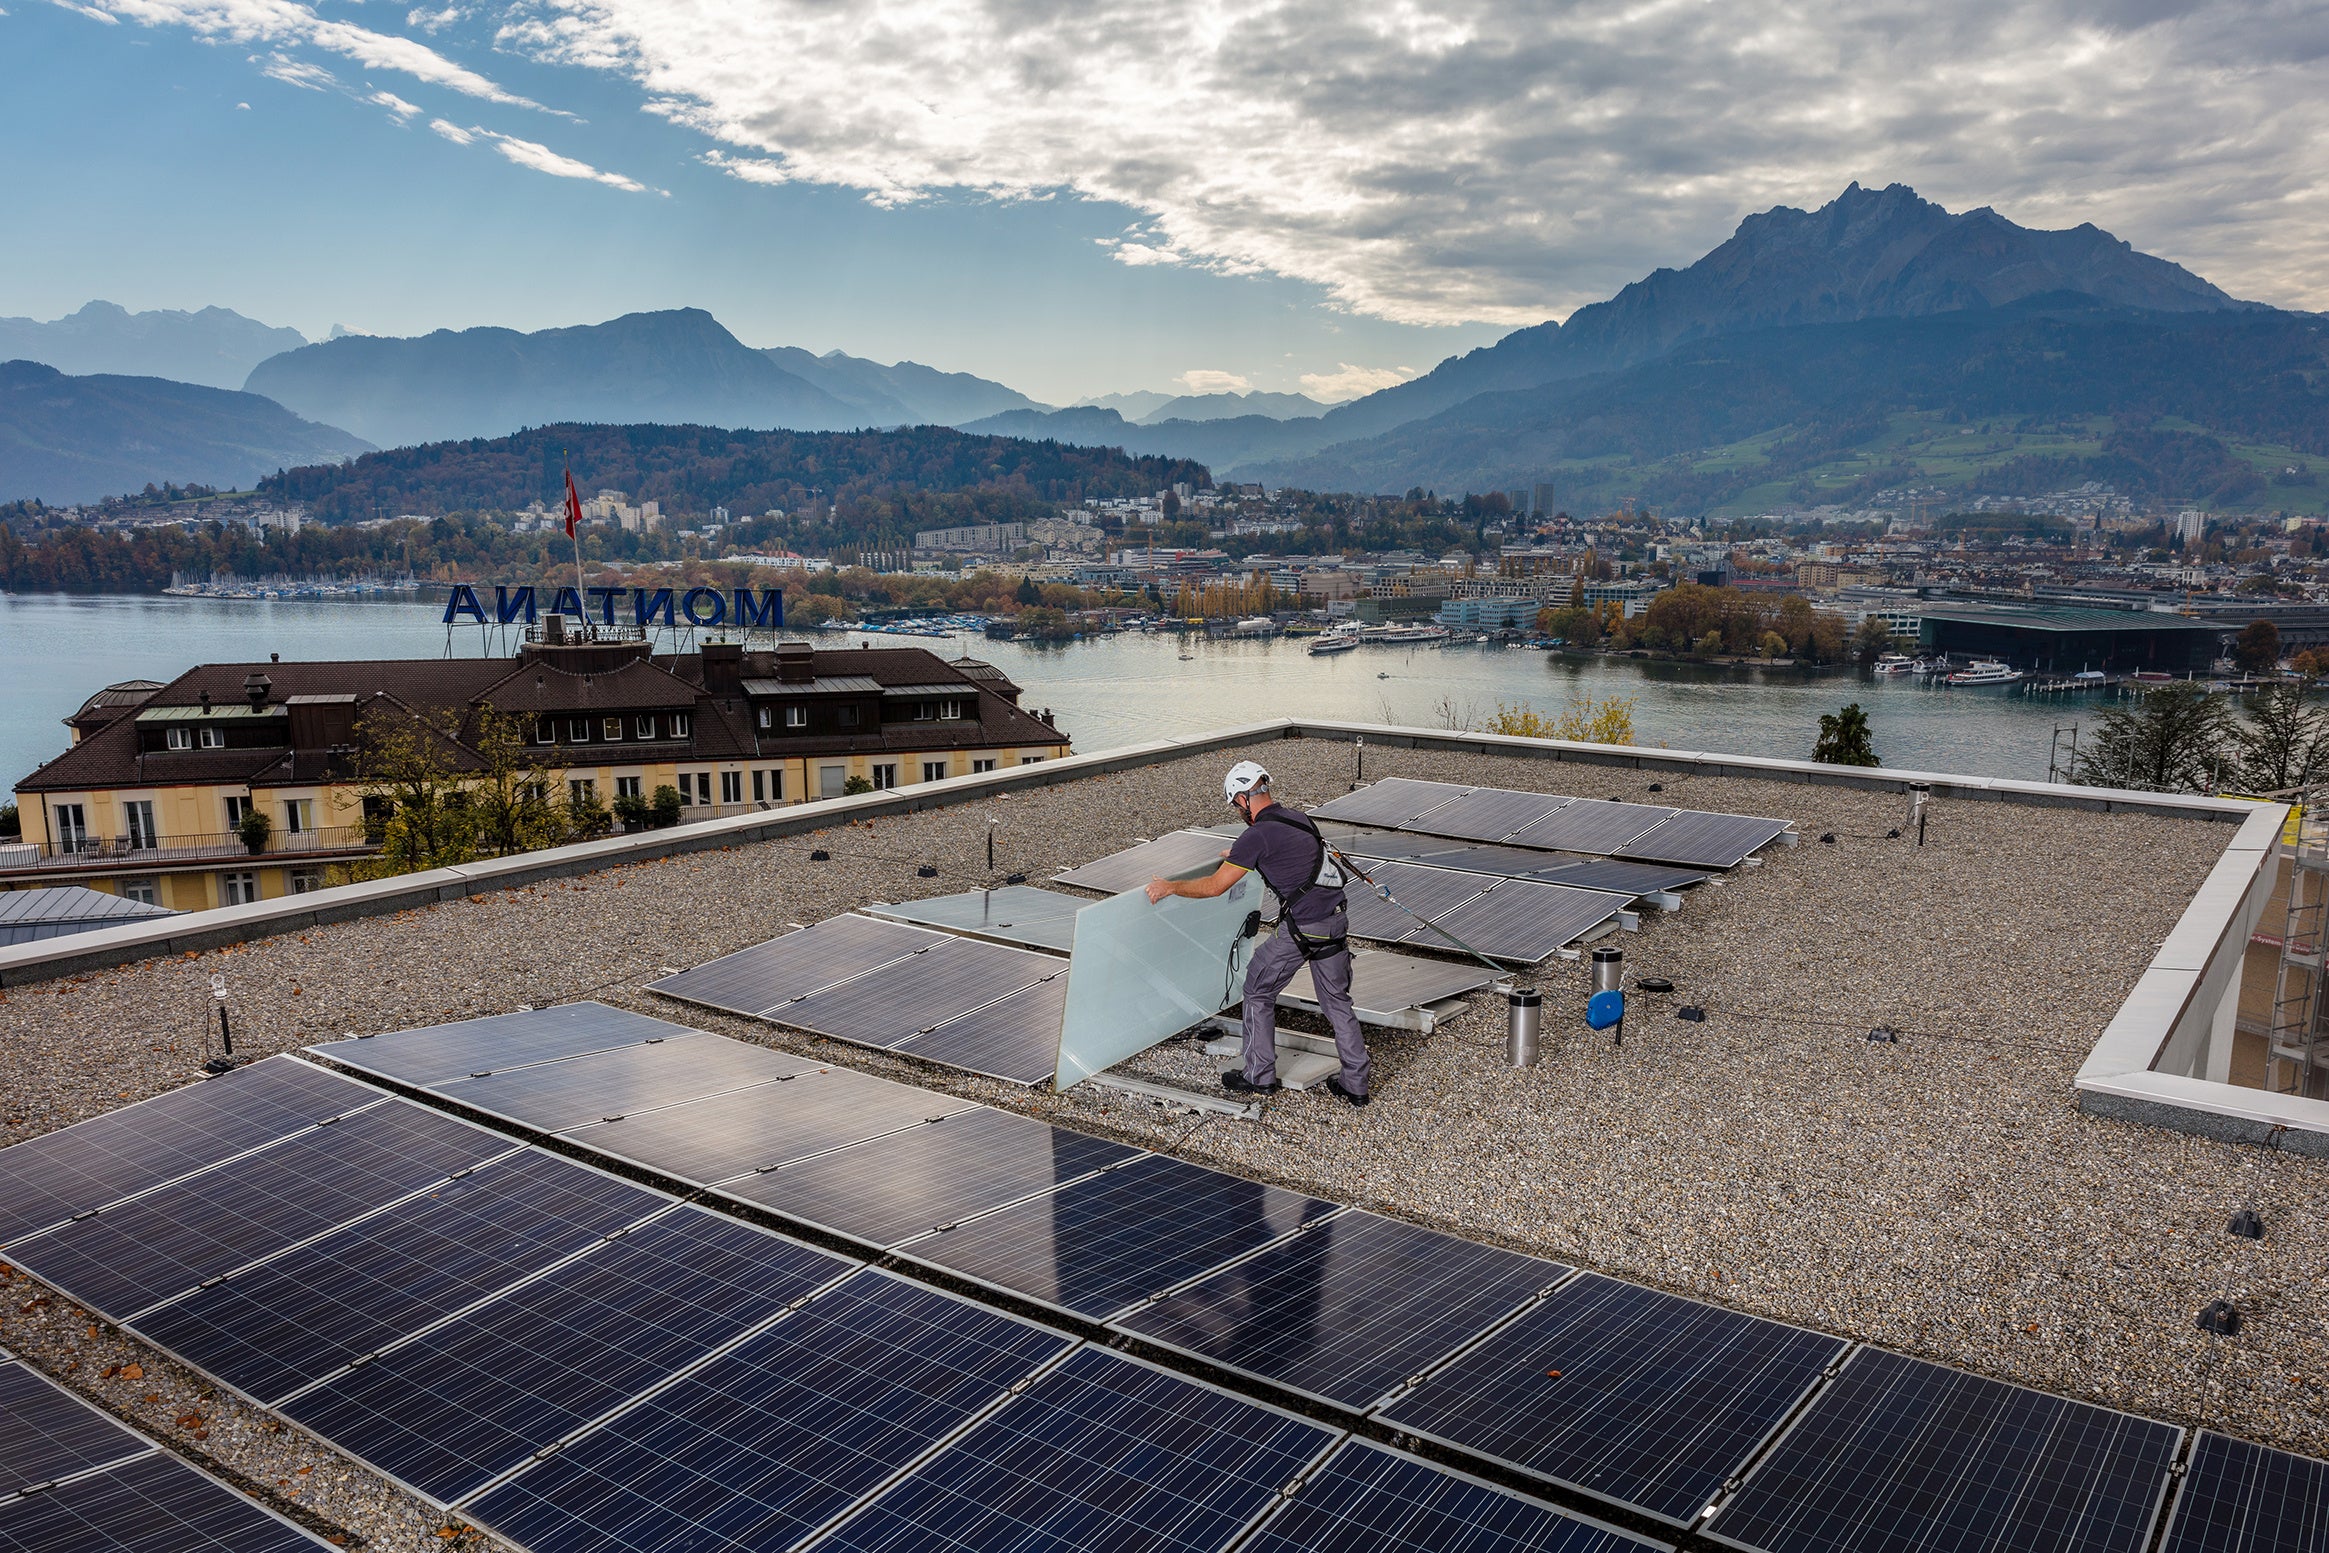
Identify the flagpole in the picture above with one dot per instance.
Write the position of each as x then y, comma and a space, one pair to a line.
574, 532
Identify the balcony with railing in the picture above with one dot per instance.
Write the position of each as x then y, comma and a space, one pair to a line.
129, 853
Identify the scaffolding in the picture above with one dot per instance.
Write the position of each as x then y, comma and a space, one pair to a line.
2297, 1045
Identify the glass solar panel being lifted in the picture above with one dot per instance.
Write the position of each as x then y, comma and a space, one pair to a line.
48, 1179
1349, 1309
1014, 1038
1167, 857
452, 1410
1102, 1452
946, 978
755, 980
1643, 1398
745, 1130
1703, 840
153, 1503
47, 1432
1367, 1499
1015, 914
1897, 1455
301, 1315
1393, 801
162, 1244
428, 1057
763, 1445
554, 1096
1097, 1246
910, 1183
2243, 1498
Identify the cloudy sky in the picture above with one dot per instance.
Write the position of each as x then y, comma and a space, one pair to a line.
1113, 194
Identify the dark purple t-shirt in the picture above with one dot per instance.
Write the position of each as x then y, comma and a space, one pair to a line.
1287, 859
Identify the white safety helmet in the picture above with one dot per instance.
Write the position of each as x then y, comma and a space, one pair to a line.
1243, 778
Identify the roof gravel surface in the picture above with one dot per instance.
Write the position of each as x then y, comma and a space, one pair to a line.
1942, 1195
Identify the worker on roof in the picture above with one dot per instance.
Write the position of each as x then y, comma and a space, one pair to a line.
1284, 846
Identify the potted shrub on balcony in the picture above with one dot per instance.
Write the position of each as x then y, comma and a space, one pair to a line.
632, 811
255, 829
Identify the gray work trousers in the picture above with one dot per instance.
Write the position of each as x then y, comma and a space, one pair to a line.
1273, 965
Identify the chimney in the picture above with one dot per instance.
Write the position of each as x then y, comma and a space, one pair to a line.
796, 663
723, 667
255, 688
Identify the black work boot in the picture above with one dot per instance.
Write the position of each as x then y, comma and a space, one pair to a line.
1335, 1084
1238, 1084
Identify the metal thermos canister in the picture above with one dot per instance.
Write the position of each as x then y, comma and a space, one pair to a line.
1608, 970
1524, 1017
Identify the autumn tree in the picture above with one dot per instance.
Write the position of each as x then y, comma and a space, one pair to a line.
1845, 739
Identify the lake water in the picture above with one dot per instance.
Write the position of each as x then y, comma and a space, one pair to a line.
1110, 691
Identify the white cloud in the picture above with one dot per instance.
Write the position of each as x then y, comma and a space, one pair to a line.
1352, 382
453, 132
405, 112
295, 72
528, 153
1442, 160
1205, 380
282, 22
242, 107
432, 21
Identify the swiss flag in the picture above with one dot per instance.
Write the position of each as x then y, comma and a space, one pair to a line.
573, 505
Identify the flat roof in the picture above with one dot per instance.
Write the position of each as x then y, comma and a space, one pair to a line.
2052, 617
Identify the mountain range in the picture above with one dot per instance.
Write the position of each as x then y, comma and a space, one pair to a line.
1810, 355
215, 347
75, 439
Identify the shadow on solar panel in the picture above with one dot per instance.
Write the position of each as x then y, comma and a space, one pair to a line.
1393, 801
1367, 1498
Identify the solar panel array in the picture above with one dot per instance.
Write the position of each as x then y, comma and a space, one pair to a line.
961, 1002
1546, 821
1016, 914
150, 1502
574, 1361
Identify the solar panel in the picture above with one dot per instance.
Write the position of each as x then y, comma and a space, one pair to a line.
1014, 1038
1103, 1452
451, 1410
435, 1053
1590, 825
1472, 856
153, 1504
1522, 921
1426, 892
1703, 840
1390, 846
1384, 984
1016, 914
1637, 1396
952, 976
2243, 1498
164, 1243
1366, 1498
1097, 1246
1622, 878
1489, 813
765, 1444
554, 1096
1898, 1454
1349, 1309
1392, 801
911, 1182
299, 1316
104, 1159
1166, 857
752, 1129
794, 965
47, 1432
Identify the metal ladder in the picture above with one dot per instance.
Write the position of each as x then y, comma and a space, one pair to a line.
2297, 1046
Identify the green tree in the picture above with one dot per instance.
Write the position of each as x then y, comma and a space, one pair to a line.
2177, 739
2282, 744
509, 793
2257, 648
1872, 641
667, 805
1845, 739
854, 786
411, 771
1026, 592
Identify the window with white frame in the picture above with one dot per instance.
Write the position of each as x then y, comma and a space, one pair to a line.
212, 737
578, 730
146, 891
681, 724
306, 880
179, 738
545, 731
298, 814
137, 824
582, 791
933, 770
643, 725
767, 717
1031, 760
611, 729
796, 717
982, 764
731, 787
626, 787
72, 826
236, 808
885, 776
240, 889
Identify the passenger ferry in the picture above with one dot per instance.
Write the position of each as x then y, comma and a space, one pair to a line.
1985, 671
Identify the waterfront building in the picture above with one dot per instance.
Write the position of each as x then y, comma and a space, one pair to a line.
150, 800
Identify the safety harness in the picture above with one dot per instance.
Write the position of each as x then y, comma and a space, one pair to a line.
1325, 874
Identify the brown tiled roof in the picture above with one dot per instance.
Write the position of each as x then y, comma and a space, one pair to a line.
638, 686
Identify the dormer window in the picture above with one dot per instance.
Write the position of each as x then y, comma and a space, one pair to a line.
578, 730
212, 737
613, 730
545, 732
181, 738
643, 726
767, 718
796, 717
681, 723
847, 716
